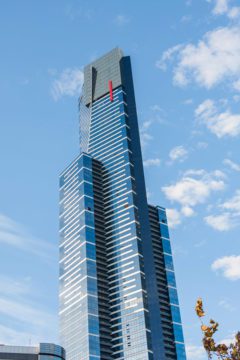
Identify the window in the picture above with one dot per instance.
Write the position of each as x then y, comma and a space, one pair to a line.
178, 333
168, 262
173, 296
164, 231
162, 216
171, 278
175, 314
166, 246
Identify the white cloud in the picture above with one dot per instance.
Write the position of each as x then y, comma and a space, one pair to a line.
147, 126
195, 352
167, 55
222, 222
68, 83
221, 7
178, 153
234, 12
230, 216
233, 204
230, 339
121, 20
194, 187
151, 162
16, 235
145, 138
236, 98
229, 266
236, 85
221, 124
232, 164
187, 211
213, 59
174, 217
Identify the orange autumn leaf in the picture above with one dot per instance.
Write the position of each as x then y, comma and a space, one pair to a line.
199, 308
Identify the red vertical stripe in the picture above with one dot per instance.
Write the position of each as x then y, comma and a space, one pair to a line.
110, 89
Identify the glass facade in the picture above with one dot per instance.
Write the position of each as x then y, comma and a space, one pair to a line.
110, 303
45, 351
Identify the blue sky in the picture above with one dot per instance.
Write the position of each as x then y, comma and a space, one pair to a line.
186, 65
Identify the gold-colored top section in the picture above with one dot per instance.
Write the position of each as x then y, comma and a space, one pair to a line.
99, 73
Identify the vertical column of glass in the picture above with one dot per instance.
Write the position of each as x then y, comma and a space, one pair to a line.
79, 322
110, 143
51, 351
171, 284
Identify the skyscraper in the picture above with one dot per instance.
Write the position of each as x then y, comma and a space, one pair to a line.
118, 297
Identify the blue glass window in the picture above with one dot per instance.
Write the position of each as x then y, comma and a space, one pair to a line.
87, 162
87, 175
180, 349
88, 189
92, 286
89, 218
166, 246
168, 262
94, 345
176, 317
91, 268
162, 216
88, 203
92, 304
93, 324
61, 181
171, 278
178, 333
164, 231
173, 296
90, 251
90, 235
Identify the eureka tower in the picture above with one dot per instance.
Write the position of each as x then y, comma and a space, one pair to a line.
118, 296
